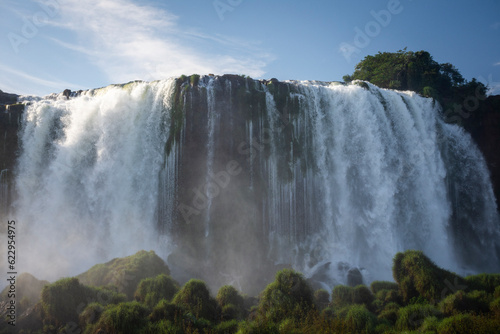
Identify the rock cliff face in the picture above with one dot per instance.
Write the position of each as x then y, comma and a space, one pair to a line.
230, 178
10, 120
488, 139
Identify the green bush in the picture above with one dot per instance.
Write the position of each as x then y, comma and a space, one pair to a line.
167, 311
358, 319
91, 314
226, 327
467, 323
63, 300
195, 298
486, 282
411, 317
130, 317
289, 296
496, 293
460, 302
229, 295
377, 286
417, 276
495, 307
341, 296
321, 299
430, 325
151, 290
362, 295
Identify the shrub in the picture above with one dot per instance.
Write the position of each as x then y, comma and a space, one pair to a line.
358, 319
130, 317
91, 314
496, 294
417, 275
341, 296
226, 327
64, 299
486, 282
321, 299
167, 311
411, 317
460, 302
229, 295
289, 296
151, 290
362, 295
495, 307
195, 298
377, 286
430, 324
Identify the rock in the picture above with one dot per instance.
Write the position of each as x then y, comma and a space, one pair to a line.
354, 277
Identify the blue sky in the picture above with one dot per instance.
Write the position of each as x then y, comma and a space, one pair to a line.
50, 45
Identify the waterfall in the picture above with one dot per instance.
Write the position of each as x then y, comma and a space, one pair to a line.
230, 177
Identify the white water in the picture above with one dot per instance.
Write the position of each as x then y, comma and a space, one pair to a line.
93, 180
88, 177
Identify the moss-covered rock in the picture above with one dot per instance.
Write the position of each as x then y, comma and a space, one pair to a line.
125, 273
417, 276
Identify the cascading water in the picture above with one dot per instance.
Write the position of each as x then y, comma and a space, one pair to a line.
233, 177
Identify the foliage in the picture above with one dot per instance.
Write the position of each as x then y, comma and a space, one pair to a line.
412, 316
376, 286
467, 323
418, 276
63, 300
459, 302
130, 317
419, 72
125, 273
287, 305
321, 299
486, 282
151, 290
195, 298
341, 296
289, 296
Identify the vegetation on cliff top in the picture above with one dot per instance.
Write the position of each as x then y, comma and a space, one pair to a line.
424, 298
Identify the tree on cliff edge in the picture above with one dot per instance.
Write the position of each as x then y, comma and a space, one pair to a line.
419, 72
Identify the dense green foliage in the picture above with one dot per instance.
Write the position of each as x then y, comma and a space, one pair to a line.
415, 303
417, 276
151, 290
419, 72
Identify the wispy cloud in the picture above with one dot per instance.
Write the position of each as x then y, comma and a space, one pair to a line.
130, 41
495, 26
28, 82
